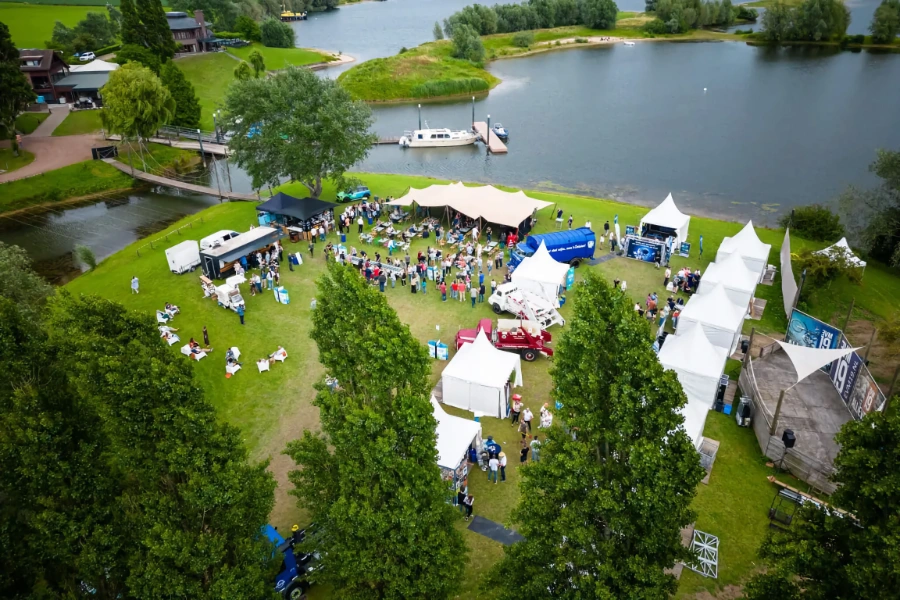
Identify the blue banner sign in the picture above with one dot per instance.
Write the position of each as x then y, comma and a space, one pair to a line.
804, 330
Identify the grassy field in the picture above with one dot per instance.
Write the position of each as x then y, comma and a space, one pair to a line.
210, 75
81, 179
32, 25
78, 122
10, 162
28, 122
281, 58
100, 3
275, 407
424, 72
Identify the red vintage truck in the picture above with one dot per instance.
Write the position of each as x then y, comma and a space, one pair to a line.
515, 335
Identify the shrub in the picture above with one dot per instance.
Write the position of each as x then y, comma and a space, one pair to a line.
276, 34
248, 28
747, 14
466, 44
86, 257
814, 222
581, 40
655, 27
229, 35
822, 270
403, 50
449, 87
523, 39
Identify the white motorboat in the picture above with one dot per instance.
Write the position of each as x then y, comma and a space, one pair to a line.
436, 138
629, 43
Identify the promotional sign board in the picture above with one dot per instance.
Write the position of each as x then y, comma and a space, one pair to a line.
685, 250
630, 230
644, 250
854, 382
804, 330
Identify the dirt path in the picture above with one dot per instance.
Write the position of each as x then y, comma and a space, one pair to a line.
53, 153
58, 114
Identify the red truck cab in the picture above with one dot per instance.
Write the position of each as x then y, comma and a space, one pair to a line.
514, 335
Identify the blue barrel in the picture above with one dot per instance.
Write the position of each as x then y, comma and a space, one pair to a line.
370, 220
343, 238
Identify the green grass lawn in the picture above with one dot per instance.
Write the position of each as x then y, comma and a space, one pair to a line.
424, 72
210, 75
31, 25
275, 407
280, 58
28, 122
79, 122
10, 162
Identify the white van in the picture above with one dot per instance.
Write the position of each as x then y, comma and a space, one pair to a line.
217, 239
183, 257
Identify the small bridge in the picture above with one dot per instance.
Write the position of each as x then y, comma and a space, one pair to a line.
174, 183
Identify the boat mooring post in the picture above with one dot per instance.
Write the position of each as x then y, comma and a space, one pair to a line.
473, 112
489, 134
420, 116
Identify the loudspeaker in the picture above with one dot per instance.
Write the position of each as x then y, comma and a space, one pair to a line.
745, 345
788, 438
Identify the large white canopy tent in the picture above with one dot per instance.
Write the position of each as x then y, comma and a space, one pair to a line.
477, 378
698, 363
481, 202
842, 250
541, 274
667, 216
716, 315
733, 275
454, 436
748, 246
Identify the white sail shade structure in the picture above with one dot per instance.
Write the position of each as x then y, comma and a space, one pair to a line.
454, 436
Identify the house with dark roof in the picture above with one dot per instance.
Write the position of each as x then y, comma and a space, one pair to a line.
192, 33
44, 68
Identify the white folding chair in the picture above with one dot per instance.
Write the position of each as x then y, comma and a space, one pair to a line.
262, 365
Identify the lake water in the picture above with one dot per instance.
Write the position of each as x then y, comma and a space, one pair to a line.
776, 128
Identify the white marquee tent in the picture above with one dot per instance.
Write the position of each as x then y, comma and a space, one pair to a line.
842, 248
748, 246
454, 436
716, 315
733, 275
667, 216
541, 274
484, 202
477, 378
95, 66
699, 365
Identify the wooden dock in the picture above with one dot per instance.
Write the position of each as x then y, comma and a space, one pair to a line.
495, 146
387, 141
173, 183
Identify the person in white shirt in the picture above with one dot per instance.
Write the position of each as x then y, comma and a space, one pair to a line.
494, 464
588, 225
527, 416
475, 233
503, 466
359, 222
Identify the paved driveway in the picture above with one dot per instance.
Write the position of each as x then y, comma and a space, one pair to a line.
53, 153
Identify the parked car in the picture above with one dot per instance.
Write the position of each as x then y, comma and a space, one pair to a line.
355, 193
87, 56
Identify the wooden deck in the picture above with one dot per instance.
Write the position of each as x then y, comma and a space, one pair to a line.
495, 146
173, 183
757, 308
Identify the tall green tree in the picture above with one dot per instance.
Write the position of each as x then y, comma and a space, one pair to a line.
248, 28
886, 22
826, 555
139, 54
327, 132
598, 14
371, 478
602, 511
17, 93
132, 33
243, 72
466, 43
257, 62
187, 107
872, 216
19, 282
275, 34
136, 103
438, 33
155, 29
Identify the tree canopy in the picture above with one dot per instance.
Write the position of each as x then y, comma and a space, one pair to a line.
139, 54
144, 24
304, 127
95, 31
276, 34
466, 43
136, 102
872, 216
257, 62
826, 555
187, 107
813, 20
370, 478
602, 511
17, 93
19, 282
886, 22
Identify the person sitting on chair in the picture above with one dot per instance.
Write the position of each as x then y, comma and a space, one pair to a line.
172, 309
195, 347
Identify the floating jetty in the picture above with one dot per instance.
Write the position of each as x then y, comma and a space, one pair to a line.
493, 143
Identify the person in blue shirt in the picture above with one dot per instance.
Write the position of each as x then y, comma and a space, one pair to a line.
240, 312
493, 447
481, 278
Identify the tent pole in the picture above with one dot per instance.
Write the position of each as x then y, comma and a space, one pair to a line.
869, 345
849, 312
774, 425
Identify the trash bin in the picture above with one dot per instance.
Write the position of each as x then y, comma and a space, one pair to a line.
432, 348
343, 238
370, 220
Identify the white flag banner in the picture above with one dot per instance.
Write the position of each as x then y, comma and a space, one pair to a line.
788, 284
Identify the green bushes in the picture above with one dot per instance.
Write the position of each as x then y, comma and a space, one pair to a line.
655, 27
533, 14
467, 45
813, 21
107, 49
814, 222
248, 28
747, 14
523, 39
276, 34
449, 87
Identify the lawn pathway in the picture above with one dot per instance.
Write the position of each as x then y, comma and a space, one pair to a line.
58, 114
53, 153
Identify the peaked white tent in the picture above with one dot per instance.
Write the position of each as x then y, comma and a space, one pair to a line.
667, 216
733, 275
842, 248
748, 246
716, 315
809, 360
484, 202
541, 274
697, 362
454, 436
477, 379
694, 414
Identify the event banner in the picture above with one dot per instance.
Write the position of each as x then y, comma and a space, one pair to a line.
788, 285
854, 382
804, 330
646, 251
685, 249
630, 230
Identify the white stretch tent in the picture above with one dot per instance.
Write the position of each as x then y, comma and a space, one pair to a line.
95, 66
454, 436
667, 215
541, 274
476, 379
748, 246
733, 275
484, 202
807, 361
716, 315
842, 249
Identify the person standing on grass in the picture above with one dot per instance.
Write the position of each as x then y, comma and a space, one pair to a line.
468, 502
134, 285
240, 312
667, 274
382, 280
461, 497
205, 336
523, 451
423, 283
359, 222
269, 280
571, 218
527, 417
535, 449
474, 294
403, 278
312, 248
481, 291
516, 409
559, 215
494, 465
503, 466
443, 288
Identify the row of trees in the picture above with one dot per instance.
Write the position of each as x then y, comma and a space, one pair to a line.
680, 16
872, 216
886, 22
534, 14
118, 479
96, 30
17, 93
813, 20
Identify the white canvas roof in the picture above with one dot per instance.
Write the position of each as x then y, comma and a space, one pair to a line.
668, 215
454, 436
95, 66
747, 245
842, 247
788, 284
719, 318
486, 202
542, 274
694, 414
476, 377
733, 275
809, 360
